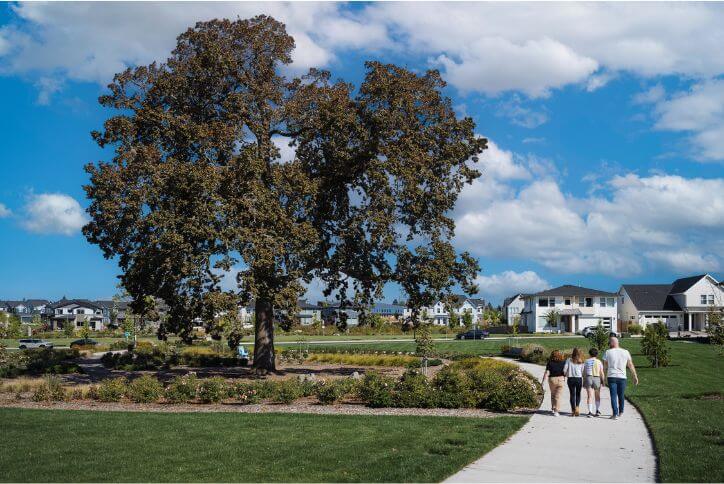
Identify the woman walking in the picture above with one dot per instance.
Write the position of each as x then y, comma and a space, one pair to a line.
554, 373
593, 377
573, 371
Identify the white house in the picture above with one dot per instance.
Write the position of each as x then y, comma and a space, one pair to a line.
685, 304
577, 308
76, 312
512, 307
439, 314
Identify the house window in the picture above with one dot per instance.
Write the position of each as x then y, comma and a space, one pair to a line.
567, 301
543, 302
711, 299
611, 302
589, 302
703, 299
602, 302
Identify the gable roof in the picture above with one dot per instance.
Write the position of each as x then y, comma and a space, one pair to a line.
510, 299
652, 297
684, 284
77, 302
569, 290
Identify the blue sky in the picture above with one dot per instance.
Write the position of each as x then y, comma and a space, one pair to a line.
606, 124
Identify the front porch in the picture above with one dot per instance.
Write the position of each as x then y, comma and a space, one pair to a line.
696, 321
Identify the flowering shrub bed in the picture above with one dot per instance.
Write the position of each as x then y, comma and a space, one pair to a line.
37, 362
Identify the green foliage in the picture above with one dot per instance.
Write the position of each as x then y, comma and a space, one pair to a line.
599, 338
376, 390
12, 326
533, 353
281, 222
424, 344
454, 322
212, 390
413, 390
182, 389
553, 317
85, 331
246, 393
654, 344
68, 329
50, 390
287, 391
716, 326
145, 389
635, 328
452, 388
467, 319
331, 391
112, 389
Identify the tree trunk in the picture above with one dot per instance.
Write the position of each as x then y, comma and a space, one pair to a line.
264, 336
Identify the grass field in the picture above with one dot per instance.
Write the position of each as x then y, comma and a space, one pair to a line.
682, 403
57, 445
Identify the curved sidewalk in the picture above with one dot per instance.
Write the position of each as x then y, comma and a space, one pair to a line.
567, 449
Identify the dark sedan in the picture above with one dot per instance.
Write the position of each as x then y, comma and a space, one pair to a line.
83, 342
473, 334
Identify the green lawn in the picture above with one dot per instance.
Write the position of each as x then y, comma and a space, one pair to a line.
687, 422
62, 446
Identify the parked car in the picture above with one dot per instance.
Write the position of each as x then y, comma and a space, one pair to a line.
587, 332
473, 334
83, 342
26, 344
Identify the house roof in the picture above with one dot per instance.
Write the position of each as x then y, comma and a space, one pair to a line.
569, 290
652, 297
77, 302
510, 299
38, 302
684, 284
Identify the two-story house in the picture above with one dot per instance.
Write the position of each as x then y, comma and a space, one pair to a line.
439, 313
512, 307
391, 312
76, 312
684, 304
568, 309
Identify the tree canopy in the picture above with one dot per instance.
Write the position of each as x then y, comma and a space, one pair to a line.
197, 185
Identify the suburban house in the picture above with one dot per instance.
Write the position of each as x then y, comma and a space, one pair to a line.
576, 308
684, 304
439, 314
309, 313
512, 307
331, 315
76, 312
388, 311
27, 309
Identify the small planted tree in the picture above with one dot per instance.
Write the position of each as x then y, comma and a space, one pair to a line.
467, 320
716, 326
454, 320
68, 329
85, 330
599, 338
655, 346
552, 318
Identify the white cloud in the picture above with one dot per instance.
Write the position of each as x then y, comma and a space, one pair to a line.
599, 80
700, 112
286, 153
47, 86
686, 261
624, 233
508, 283
493, 47
651, 96
4, 211
53, 213
521, 115
93, 41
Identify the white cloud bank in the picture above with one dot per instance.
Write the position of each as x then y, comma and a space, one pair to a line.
507, 283
4, 211
53, 213
644, 222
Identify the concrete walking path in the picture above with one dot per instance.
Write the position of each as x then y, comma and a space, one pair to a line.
568, 449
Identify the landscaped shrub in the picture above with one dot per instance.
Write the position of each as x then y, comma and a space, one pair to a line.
182, 388
655, 346
246, 393
330, 391
112, 389
413, 390
54, 361
431, 362
364, 359
634, 328
537, 354
452, 389
121, 345
499, 385
287, 391
50, 390
212, 390
377, 390
145, 389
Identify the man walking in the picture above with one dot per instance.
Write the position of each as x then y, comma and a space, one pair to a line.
615, 361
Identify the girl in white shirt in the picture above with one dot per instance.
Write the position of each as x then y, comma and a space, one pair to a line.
573, 371
593, 377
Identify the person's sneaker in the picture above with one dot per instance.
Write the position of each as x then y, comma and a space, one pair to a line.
576, 412
614, 417
598, 413
590, 415
556, 414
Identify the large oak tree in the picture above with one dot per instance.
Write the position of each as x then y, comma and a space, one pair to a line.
197, 186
